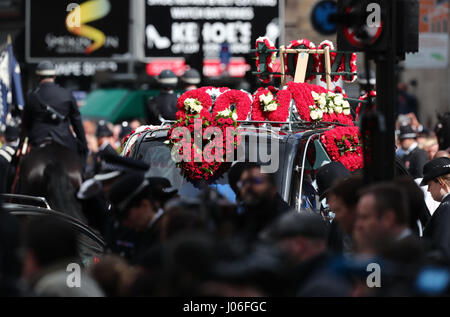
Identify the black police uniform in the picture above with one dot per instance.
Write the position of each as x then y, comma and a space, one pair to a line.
437, 229
164, 105
41, 124
6, 156
414, 162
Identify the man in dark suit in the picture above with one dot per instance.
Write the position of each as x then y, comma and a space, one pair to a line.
414, 158
50, 112
261, 202
381, 219
437, 177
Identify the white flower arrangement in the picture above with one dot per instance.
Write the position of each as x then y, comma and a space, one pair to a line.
268, 103
328, 103
214, 93
227, 113
192, 105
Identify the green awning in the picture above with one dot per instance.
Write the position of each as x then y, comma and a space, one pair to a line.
116, 105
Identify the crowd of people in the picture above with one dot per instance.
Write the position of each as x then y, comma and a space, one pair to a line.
160, 243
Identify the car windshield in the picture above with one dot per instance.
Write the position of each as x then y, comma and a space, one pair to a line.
157, 155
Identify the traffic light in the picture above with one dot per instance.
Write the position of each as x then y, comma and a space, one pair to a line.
368, 24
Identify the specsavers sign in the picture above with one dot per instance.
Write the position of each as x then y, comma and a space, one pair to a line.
68, 29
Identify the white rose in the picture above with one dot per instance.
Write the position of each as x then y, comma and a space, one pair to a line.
338, 100
320, 112
331, 104
323, 94
197, 108
315, 95
314, 115
338, 110
234, 116
331, 94
347, 112
214, 92
345, 104
271, 107
322, 101
330, 110
225, 113
268, 98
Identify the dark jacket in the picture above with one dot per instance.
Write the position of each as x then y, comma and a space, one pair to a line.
37, 123
414, 162
437, 230
6, 156
253, 220
164, 106
315, 278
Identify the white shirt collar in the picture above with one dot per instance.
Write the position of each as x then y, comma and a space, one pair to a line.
156, 217
411, 148
445, 196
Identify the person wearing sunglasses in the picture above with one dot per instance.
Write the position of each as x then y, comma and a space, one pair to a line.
262, 204
437, 230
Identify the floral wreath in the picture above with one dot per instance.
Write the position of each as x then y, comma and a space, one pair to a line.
193, 105
265, 77
303, 99
303, 44
330, 107
321, 67
343, 144
195, 101
271, 104
233, 100
314, 103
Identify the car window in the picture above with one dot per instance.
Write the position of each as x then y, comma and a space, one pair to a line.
157, 155
88, 248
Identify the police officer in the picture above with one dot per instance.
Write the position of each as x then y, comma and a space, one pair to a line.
164, 106
50, 111
190, 79
414, 158
437, 177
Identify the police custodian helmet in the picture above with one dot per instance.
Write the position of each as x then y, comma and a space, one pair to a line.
167, 78
46, 69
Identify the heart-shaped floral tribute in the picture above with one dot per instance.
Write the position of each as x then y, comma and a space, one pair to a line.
204, 138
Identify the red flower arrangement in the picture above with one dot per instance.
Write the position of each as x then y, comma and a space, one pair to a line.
303, 44
372, 94
353, 68
343, 145
206, 164
301, 93
209, 167
321, 67
240, 99
265, 78
203, 98
282, 98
